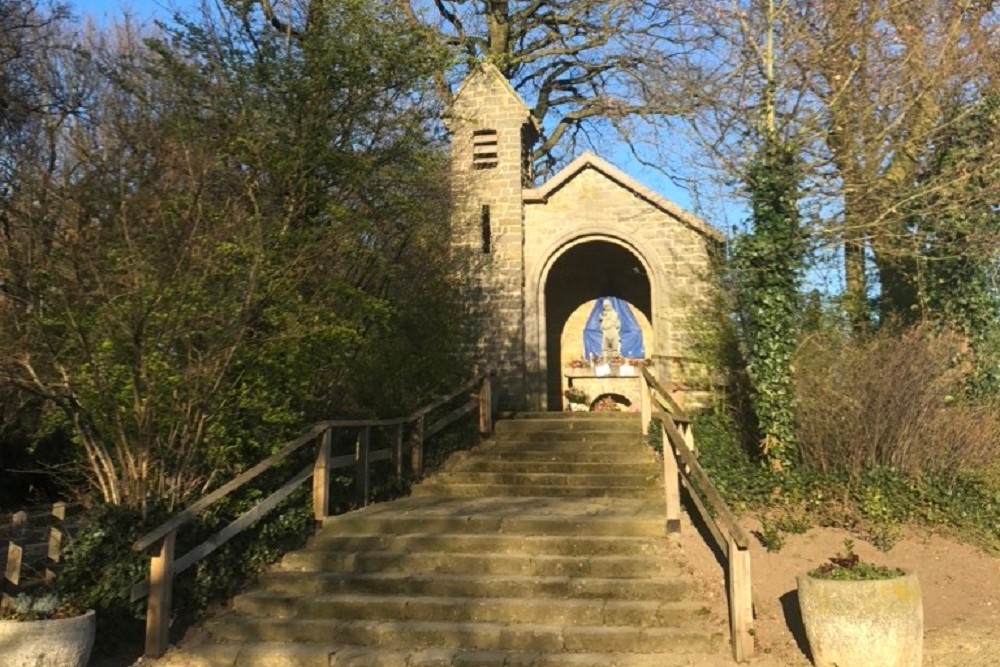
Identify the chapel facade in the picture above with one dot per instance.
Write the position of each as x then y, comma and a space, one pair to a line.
546, 256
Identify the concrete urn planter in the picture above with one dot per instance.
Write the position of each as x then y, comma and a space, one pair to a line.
61, 642
863, 623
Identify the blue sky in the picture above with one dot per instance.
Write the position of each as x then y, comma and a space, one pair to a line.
101, 10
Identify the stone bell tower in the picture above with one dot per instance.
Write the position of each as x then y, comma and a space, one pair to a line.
492, 134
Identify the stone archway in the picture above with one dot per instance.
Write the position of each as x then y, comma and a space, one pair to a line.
586, 270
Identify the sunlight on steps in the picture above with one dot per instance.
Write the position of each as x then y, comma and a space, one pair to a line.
541, 547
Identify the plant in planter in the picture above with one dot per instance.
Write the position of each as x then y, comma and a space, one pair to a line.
578, 399
45, 631
858, 614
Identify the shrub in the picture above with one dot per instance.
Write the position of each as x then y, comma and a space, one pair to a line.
873, 505
894, 399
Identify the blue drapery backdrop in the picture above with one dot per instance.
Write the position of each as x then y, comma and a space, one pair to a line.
631, 334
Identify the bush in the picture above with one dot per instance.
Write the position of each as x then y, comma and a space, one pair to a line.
872, 505
100, 566
895, 400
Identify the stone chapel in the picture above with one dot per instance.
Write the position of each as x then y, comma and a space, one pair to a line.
545, 254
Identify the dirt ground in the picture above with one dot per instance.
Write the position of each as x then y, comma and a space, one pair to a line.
959, 583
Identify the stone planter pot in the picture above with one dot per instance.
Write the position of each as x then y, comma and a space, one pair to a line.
863, 623
63, 642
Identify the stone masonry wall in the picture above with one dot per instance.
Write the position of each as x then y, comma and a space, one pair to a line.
592, 205
496, 286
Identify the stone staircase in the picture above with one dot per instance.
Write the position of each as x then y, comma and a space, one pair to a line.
541, 548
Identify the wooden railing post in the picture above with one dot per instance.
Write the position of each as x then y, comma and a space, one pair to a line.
54, 552
397, 451
646, 397
486, 407
740, 602
361, 472
161, 586
671, 483
321, 476
417, 448
688, 434
12, 574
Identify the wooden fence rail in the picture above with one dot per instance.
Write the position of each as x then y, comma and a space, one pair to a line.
161, 541
681, 467
33, 542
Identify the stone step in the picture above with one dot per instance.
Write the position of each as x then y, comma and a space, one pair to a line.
558, 439
548, 479
544, 455
568, 427
448, 490
548, 638
304, 584
496, 564
569, 467
572, 416
638, 613
361, 523
325, 654
494, 544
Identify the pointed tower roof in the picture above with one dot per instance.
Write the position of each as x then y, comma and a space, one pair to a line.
487, 74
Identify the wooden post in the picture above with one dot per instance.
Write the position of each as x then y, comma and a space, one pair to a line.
19, 522
646, 397
361, 472
671, 484
485, 407
417, 448
161, 586
321, 476
397, 451
54, 552
740, 603
688, 432
12, 574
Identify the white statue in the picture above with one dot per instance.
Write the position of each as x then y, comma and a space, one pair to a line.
611, 329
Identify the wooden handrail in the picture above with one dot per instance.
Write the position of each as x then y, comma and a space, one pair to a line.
190, 512
162, 539
681, 467
717, 506
676, 411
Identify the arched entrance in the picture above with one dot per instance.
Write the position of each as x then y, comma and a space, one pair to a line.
583, 272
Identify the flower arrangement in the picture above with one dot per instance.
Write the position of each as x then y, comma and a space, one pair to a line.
576, 395
608, 404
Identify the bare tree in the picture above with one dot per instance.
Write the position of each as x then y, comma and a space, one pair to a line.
587, 65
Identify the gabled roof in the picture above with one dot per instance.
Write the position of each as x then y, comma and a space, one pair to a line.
490, 70
590, 161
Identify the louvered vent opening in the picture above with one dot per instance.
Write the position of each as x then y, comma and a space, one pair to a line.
484, 149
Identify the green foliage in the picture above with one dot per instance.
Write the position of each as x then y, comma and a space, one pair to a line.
767, 264
956, 271
873, 505
655, 436
848, 566
249, 235
100, 566
770, 536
